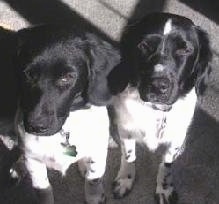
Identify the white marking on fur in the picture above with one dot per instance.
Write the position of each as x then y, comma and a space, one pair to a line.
38, 173
129, 150
167, 27
159, 68
179, 119
161, 179
137, 118
85, 132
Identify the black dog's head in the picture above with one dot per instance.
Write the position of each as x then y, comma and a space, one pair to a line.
60, 68
168, 55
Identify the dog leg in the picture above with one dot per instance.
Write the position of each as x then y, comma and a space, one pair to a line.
94, 190
40, 181
165, 193
126, 175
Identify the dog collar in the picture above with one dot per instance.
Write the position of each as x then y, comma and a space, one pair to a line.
69, 150
164, 108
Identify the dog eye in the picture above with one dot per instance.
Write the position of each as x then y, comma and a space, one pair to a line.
31, 76
66, 79
186, 49
144, 46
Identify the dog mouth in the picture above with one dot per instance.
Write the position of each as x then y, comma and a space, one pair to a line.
44, 129
158, 91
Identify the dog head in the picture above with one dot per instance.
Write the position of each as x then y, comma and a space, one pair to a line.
60, 69
169, 55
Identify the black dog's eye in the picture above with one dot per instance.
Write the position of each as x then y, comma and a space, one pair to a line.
144, 47
184, 49
149, 44
31, 75
67, 79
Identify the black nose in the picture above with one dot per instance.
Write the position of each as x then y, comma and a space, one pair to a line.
36, 128
161, 85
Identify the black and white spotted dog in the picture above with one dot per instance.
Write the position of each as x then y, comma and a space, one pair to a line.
62, 72
166, 59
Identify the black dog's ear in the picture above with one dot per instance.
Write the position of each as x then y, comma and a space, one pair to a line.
118, 78
103, 58
202, 68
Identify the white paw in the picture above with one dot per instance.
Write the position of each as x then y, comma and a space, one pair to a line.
165, 193
100, 199
166, 196
94, 192
122, 186
83, 166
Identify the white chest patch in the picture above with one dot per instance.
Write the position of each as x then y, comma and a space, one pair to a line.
156, 126
89, 132
167, 27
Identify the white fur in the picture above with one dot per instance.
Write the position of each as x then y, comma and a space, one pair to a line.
89, 132
38, 173
167, 27
164, 176
138, 120
142, 121
159, 68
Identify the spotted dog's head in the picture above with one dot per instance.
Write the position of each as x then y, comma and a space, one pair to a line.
60, 68
168, 55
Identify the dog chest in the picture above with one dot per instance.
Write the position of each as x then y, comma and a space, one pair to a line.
88, 130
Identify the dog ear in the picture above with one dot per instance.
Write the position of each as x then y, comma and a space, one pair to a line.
118, 78
103, 58
202, 68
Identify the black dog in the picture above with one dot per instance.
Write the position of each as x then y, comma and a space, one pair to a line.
9, 151
165, 64
62, 72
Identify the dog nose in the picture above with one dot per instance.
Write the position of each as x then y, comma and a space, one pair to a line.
162, 85
37, 128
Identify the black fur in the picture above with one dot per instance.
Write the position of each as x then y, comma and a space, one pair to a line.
61, 68
8, 107
185, 53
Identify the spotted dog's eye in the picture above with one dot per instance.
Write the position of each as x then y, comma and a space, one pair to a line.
67, 79
184, 49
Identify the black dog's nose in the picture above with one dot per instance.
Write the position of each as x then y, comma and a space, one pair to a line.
37, 128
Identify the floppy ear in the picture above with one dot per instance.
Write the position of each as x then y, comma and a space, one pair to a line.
118, 78
203, 68
103, 58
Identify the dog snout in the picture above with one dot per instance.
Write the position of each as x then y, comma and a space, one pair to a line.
36, 127
39, 128
160, 85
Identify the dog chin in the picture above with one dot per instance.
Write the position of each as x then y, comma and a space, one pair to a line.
44, 134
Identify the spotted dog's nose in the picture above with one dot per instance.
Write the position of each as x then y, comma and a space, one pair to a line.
160, 85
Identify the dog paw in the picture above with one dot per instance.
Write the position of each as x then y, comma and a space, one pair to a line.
96, 199
83, 166
122, 186
45, 196
166, 196
94, 191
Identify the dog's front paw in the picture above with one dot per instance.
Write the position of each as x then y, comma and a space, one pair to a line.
96, 199
167, 196
165, 193
122, 186
45, 196
94, 192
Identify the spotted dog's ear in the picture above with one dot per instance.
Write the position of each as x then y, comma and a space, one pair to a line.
103, 58
203, 68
